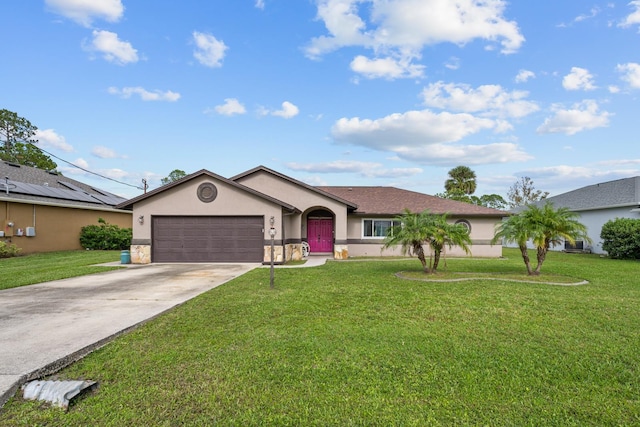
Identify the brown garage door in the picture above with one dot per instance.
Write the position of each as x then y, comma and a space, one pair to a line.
207, 239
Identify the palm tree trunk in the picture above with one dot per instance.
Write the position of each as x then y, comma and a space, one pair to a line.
419, 251
525, 258
540, 256
436, 260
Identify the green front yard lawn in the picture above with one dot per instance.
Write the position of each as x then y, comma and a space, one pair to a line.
43, 267
349, 343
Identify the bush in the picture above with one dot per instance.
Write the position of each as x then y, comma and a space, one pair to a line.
8, 251
105, 236
621, 238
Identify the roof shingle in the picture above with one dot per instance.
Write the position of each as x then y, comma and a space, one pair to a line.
393, 201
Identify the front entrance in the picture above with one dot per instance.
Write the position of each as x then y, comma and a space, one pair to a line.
320, 234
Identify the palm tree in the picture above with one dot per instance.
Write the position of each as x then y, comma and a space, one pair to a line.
515, 230
411, 234
549, 227
417, 229
446, 234
461, 179
545, 227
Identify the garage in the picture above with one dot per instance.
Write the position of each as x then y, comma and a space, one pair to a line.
207, 238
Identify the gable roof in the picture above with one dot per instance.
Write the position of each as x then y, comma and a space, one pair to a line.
20, 182
393, 201
128, 204
350, 204
610, 194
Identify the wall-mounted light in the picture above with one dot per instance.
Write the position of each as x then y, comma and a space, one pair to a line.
272, 221
141, 219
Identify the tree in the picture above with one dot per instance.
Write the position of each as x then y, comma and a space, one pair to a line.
545, 227
522, 193
18, 143
411, 234
621, 238
461, 179
449, 235
417, 229
494, 201
175, 175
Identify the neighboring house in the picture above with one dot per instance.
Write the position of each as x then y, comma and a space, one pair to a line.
43, 211
205, 217
597, 204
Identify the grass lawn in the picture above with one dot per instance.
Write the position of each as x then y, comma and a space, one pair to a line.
43, 267
349, 343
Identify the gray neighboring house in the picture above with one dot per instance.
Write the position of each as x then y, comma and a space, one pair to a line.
597, 204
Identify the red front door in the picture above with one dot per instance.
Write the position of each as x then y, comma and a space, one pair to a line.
320, 235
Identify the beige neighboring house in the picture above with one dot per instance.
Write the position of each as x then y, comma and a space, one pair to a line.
205, 217
42, 211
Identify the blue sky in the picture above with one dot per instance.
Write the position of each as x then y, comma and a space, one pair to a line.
331, 92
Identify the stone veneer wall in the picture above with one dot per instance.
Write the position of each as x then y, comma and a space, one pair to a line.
340, 251
140, 254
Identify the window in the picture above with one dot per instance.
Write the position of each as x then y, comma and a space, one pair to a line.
579, 246
377, 228
465, 224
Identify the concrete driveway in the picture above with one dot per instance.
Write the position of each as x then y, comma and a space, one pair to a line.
47, 326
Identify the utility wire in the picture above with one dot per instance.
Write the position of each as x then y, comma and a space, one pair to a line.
86, 170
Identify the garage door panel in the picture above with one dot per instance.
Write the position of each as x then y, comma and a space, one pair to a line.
207, 239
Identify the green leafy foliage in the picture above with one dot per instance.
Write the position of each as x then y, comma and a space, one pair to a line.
421, 228
8, 251
545, 227
18, 143
174, 176
105, 236
621, 238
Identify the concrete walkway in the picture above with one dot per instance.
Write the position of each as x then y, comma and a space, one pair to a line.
50, 325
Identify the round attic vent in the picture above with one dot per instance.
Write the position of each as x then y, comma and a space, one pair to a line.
207, 192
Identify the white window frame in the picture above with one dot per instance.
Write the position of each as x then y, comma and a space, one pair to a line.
373, 221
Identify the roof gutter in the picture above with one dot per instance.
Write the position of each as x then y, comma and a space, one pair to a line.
61, 205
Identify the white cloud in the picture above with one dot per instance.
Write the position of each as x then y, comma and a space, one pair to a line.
81, 162
401, 28
453, 63
426, 137
631, 73
524, 75
388, 68
70, 170
578, 79
209, 50
634, 17
49, 138
260, 4
489, 100
105, 153
112, 48
366, 169
582, 116
613, 89
592, 14
443, 154
230, 107
413, 128
145, 95
84, 12
288, 111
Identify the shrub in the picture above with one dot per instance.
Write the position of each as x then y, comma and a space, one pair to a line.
8, 251
621, 238
105, 236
